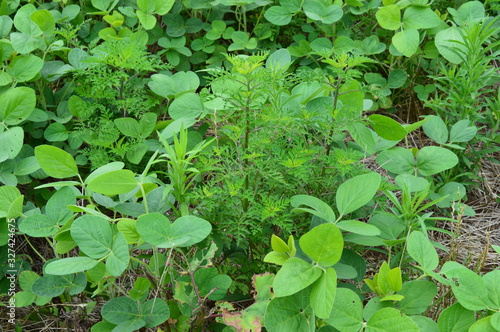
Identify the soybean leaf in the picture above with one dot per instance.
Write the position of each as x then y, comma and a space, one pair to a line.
323, 293
294, 275
483, 325
70, 265
51, 285
173, 86
420, 18
93, 235
347, 312
356, 192
319, 208
119, 257
8, 195
389, 17
422, 251
194, 228
154, 228
278, 15
434, 159
113, 166
324, 244
209, 281
114, 182
468, 288
397, 160
358, 227
12, 142
155, 311
188, 105
387, 128
57, 206
120, 309
406, 41
456, 319
390, 320
418, 296
436, 129
462, 131
287, 314
55, 162
17, 105
38, 225
492, 282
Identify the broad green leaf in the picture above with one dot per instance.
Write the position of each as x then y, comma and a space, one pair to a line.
449, 43
173, 86
347, 313
411, 182
387, 128
434, 159
57, 206
318, 11
209, 281
26, 43
38, 225
155, 311
278, 15
389, 17
127, 228
356, 192
483, 325
120, 309
469, 12
56, 132
462, 132
114, 182
468, 288
93, 235
278, 244
119, 257
51, 285
422, 251
8, 195
456, 319
128, 127
436, 129
194, 228
495, 321
406, 41
17, 105
114, 166
323, 243
70, 265
154, 228
148, 21
418, 296
358, 227
5, 26
23, 299
420, 18
163, 6
294, 276
26, 280
287, 314
12, 142
363, 136
425, 323
275, 257
188, 105
396, 79
492, 282
318, 207
390, 320
280, 60
394, 280
397, 160
102, 5
24, 67
55, 162
323, 293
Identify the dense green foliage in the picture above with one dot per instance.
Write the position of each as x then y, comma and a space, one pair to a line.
151, 150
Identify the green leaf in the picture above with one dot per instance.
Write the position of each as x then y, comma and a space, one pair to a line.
173, 86
434, 159
278, 15
319, 208
356, 192
318, 11
363, 136
483, 325
323, 293
194, 228
387, 128
449, 43
128, 127
38, 225
462, 132
127, 228
347, 312
416, 17
358, 227
278, 244
119, 257
114, 182
397, 160
51, 285
389, 17
148, 21
57, 206
70, 265
468, 288
277, 258
455, 319
492, 282
406, 41
8, 195
56, 132
411, 182
418, 296
24, 67
114, 166
422, 251
209, 281
55, 162
188, 105
396, 79
436, 129
324, 244
17, 105
294, 275
12, 142
93, 235
120, 309
390, 320
155, 311
23, 299
280, 60
287, 314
